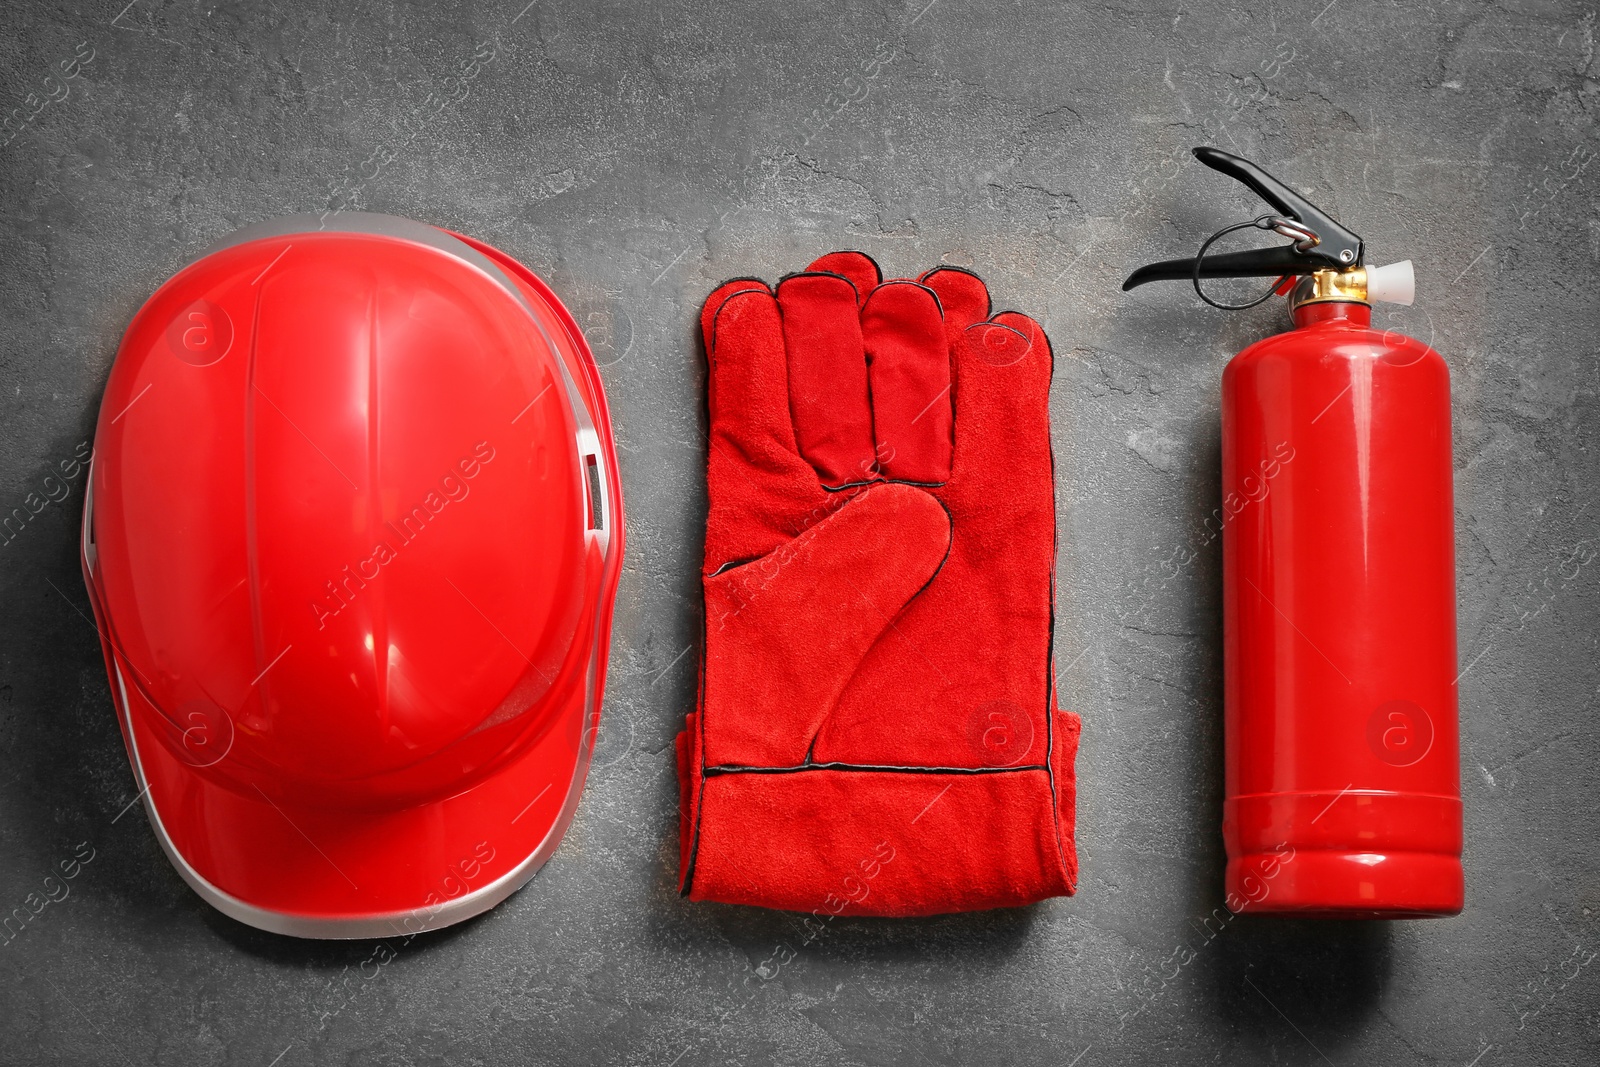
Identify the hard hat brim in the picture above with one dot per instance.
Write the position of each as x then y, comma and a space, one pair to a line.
308, 871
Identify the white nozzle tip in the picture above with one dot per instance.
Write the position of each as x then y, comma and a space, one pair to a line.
1394, 284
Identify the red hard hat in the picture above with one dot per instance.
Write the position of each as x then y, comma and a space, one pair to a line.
353, 535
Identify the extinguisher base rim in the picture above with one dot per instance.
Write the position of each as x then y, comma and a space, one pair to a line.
1345, 884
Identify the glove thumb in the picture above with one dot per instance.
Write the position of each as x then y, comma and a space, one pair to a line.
785, 633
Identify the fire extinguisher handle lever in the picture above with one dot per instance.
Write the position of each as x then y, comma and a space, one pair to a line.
1335, 246
1257, 263
1339, 248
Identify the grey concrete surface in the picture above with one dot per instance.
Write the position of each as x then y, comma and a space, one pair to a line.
635, 156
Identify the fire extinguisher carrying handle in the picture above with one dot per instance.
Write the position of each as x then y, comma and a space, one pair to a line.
1335, 247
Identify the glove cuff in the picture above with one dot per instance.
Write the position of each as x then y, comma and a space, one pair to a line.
891, 842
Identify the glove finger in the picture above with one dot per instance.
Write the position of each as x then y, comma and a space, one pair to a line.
963, 296
708, 320
718, 297
908, 358
827, 376
754, 474
1002, 420
860, 268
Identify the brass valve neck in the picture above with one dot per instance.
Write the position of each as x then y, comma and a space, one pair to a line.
1323, 286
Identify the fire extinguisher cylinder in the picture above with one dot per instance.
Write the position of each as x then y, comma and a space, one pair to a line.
1342, 794
1340, 712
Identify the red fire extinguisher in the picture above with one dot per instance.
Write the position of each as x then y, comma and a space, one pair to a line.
1342, 795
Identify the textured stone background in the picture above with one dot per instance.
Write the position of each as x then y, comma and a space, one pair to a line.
634, 157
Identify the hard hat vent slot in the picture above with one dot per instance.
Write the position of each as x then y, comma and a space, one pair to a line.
591, 466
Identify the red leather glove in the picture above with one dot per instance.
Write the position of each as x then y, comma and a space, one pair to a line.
877, 729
